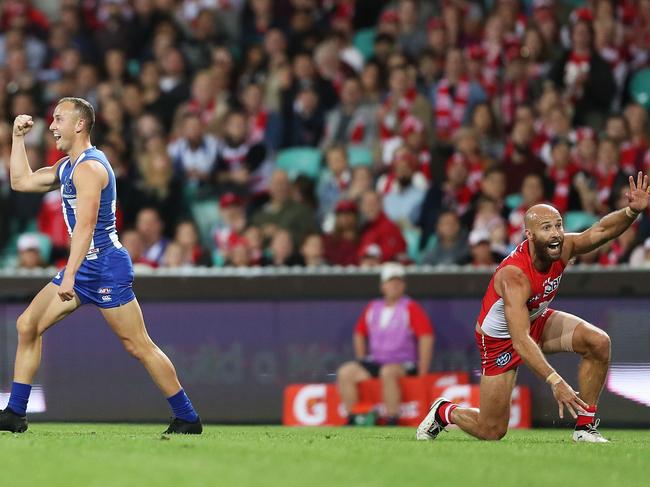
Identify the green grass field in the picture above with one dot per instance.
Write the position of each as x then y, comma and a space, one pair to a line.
74, 455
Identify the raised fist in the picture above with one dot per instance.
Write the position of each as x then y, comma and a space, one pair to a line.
22, 124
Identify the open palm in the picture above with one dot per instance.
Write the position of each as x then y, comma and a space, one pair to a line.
639, 194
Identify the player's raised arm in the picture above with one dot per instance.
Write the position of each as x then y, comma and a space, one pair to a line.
513, 286
23, 179
89, 179
613, 224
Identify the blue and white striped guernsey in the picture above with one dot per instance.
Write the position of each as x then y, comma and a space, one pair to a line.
105, 233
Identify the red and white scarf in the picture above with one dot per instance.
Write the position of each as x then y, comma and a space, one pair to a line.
562, 179
512, 95
449, 110
257, 126
604, 181
391, 125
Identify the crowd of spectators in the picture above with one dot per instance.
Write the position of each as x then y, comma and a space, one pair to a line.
471, 111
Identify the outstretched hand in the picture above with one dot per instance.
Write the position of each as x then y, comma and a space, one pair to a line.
639, 194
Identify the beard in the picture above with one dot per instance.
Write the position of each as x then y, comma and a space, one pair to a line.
546, 253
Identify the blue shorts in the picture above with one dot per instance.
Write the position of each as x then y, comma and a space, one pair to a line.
106, 282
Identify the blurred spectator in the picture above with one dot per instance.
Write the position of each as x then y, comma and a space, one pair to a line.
341, 246
454, 97
393, 338
254, 241
378, 229
239, 254
134, 244
370, 257
194, 153
23, 102
232, 222
532, 193
305, 123
312, 251
561, 174
640, 256
519, 160
303, 192
451, 242
481, 254
241, 167
634, 149
282, 250
403, 189
411, 38
584, 77
608, 174
158, 187
282, 213
333, 182
402, 100
351, 122
489, 140
29, 251
150, 227
264, 125
173, 256
187, 239
362, 181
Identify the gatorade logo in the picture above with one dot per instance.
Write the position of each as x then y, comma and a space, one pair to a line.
309, 405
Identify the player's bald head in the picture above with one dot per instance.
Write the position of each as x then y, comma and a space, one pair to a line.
539, 213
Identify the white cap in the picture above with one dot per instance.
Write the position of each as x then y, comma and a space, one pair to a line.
392, 270
28, 241
353, 58
479, 235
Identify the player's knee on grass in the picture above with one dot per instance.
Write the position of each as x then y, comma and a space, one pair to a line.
494, 432
27, 328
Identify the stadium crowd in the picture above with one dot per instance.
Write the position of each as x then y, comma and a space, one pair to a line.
332, 132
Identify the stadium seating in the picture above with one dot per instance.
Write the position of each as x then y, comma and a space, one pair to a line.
640, 87
300, 160
513, 200
577, 221
364, 41
359, 156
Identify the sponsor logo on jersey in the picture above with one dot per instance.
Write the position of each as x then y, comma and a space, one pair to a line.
104, 290
551, 285
503, 359
67, 188
106, 298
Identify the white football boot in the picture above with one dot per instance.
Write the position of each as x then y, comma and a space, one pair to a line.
589, 434
430, 428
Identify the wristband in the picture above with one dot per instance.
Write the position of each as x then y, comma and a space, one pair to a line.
553, 378
631, 213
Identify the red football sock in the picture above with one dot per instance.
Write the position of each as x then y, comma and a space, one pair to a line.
587, 417
445, 412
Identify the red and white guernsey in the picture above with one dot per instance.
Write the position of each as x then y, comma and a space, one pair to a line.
543, 288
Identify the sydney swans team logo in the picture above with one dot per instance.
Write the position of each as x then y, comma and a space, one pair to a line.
503, 359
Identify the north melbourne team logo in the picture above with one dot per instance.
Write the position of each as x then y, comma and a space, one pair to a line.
503, 359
